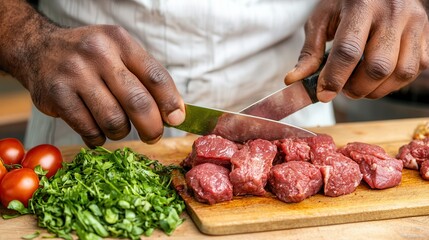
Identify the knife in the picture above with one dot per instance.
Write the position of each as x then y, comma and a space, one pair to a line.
235, 126
289, 99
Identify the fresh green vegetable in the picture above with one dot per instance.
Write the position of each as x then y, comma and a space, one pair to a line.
108, 194
31, 236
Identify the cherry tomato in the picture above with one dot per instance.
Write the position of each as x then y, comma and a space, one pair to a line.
11, 151
3, 171
47, 156
18, 184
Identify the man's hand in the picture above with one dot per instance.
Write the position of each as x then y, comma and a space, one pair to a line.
391, 35
97, 78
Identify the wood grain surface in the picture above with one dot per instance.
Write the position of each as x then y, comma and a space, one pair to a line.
364, 214
252, 214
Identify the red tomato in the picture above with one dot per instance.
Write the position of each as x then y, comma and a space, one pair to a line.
47, 156
3, 171
11, 151
18, 184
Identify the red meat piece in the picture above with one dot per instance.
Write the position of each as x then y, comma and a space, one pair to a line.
359, 151
380, 171
295, 181
414, 153
251, 166
341, 175
209, 183
294, 149
211, 149
320, 146
424, 170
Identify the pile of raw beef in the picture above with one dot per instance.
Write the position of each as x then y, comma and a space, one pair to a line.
294, 168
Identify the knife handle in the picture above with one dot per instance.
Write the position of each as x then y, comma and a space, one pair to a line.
310, 82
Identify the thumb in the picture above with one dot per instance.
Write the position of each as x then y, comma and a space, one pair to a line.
308, 63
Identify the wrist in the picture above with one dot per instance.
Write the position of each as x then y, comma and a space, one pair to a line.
25, 34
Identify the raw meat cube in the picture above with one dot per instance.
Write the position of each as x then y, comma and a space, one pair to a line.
251, 166
209, 183
295, 181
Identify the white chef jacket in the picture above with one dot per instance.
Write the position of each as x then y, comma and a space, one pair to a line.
224, 54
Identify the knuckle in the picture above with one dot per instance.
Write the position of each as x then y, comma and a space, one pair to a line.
170, 104
406, 74
95, 44
57, 87
348, 51
139, 101
115, 126
118, 32
156, 75
333, 85
419, 14
53, 91
397, 7
379, 68
120, 35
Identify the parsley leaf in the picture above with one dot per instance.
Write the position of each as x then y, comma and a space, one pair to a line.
104, 193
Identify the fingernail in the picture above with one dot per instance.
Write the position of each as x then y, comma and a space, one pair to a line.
326, 96
176, 117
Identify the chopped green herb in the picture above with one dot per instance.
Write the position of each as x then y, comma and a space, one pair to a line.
104, 193
17, 206
31, 236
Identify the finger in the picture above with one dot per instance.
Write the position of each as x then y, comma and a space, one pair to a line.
74, 112
154, 77
109, 46
136, 101
347, 49
105, 109
160, 85
408, 64
312, 52
381, 55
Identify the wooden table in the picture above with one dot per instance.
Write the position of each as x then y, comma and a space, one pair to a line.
393, 132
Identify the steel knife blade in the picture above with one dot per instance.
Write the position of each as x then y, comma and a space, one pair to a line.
236, 127
287, 100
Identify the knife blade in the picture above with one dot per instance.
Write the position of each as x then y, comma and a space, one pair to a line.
236, 127
289, 99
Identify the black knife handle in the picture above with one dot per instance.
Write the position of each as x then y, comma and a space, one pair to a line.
310, 83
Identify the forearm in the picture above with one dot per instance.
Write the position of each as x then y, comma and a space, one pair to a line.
24, 33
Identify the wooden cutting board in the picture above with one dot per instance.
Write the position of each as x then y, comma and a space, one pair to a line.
254, 214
